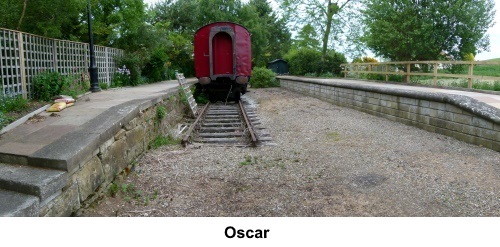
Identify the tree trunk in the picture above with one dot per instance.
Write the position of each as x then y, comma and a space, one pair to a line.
22, 15
331, 10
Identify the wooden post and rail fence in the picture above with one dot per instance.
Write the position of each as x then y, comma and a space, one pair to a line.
24, 55
415, 68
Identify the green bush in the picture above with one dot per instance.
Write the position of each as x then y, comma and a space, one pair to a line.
155, 68
460, 83
47, 84
307, 61
199, 96
303, 61
4, 120
496, 86
327, 75
133, 63
75, 84
121, 79
12, 103
332, 63
103, 85
262, 77
50, 83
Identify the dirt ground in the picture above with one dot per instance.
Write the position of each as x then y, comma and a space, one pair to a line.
325, 161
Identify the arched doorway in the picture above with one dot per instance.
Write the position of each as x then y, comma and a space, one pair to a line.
222, 54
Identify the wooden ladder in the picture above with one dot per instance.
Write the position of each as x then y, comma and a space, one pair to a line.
187, 91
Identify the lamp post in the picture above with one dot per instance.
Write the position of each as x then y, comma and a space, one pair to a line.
94, 80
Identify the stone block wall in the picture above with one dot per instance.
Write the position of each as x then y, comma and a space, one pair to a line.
456, 116
116, 154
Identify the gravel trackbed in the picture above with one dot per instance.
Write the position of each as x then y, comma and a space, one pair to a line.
326, 161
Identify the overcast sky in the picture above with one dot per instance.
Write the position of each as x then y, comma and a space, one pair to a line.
494, 33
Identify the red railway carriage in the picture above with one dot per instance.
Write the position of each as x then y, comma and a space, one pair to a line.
223, 59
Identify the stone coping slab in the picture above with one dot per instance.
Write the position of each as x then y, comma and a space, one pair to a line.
88, 124
17, 204
468, 101
73, 148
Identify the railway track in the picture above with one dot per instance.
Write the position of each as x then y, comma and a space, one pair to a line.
227, 124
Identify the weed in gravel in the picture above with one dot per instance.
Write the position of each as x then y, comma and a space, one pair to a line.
248, 161
155, 194
333, 136
161, 140
113, 189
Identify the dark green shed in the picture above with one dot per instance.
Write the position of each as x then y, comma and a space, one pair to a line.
278, 66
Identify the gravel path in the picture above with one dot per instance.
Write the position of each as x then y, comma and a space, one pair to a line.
327, 161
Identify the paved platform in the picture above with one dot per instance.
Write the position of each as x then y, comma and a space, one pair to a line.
38, 157
28, 138
491, 99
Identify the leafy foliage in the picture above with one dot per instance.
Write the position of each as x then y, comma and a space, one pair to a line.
155, 67
308, 61
161, 113
405, 30
50, 83
55, 18
271, 38
12, 103
157, 40
307, 38
134, 63
262, 78
365, 60
325, 17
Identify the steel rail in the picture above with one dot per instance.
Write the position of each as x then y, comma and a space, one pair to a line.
249, 126
185, 140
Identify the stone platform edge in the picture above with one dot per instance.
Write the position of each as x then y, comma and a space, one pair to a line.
458, 116
105, 147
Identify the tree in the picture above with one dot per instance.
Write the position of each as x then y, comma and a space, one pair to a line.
115, 23
404, 30
55, 19
10, 11
271, 38
172, 13
307, 38
320, 14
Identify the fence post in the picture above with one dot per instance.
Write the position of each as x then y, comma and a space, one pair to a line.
386, 71
54, 56
408, 71
345, 71
22, 66
356, 68
435, 73
471, 72
106, 54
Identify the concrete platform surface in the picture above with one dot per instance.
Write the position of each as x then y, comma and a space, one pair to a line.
490, 99
28, 139
14, 204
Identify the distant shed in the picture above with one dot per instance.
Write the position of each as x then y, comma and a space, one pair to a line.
278, 66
